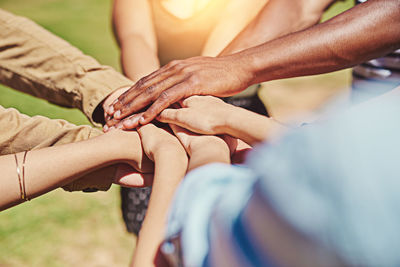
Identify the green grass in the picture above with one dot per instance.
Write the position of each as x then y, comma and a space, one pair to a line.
67, 229
83, 23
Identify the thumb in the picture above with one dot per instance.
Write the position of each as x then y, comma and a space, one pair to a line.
169, 115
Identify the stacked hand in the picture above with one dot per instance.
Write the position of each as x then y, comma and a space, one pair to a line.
220, 76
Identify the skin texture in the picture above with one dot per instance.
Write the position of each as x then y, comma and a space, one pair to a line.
263, 28
139, 46
135, 34
205, 149
209, 115
353, 37
272, 23
202, 149
160, 146
65, 163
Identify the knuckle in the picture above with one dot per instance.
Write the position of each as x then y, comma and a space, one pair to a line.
140, 83
164, 96
173, 63
150, 90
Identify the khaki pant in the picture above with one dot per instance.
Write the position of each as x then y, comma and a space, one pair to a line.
34, 61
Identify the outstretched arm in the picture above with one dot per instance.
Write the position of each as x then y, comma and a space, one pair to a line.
210, 115
357, 35
134, 31
278, 18
48, 168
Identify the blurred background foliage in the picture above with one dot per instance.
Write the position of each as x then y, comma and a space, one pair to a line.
66, 229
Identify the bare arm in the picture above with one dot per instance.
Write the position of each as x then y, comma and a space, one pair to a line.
355, 36
202, 149
170, 167
52, 167
210, 115
134, 31
360, 34
278, 18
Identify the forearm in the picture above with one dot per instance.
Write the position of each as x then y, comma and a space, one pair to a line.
134, 31
52, 167
138, 59
211, 151
248, 126
357, 35
277, 18
170, 168
49, 168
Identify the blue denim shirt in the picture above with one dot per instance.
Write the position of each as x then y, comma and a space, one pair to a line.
337, 182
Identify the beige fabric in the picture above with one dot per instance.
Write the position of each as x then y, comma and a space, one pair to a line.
35, 61
24, 133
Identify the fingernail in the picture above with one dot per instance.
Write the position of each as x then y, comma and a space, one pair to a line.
117, 114
119, 126
134, 120
110, 110
141, 120
105, 128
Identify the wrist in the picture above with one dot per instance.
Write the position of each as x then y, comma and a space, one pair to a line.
212, 147
209, 155
122, 146
225, 119
247, 62
230, 120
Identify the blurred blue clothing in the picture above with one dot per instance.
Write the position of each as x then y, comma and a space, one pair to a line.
336, 182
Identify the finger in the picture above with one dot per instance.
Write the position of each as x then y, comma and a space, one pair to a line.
168, 115
111, 122
141, 86
182, 134
137, 88
183, 117
187, 102
112, 97
165, 99
107, 117
131, 122
147, 95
